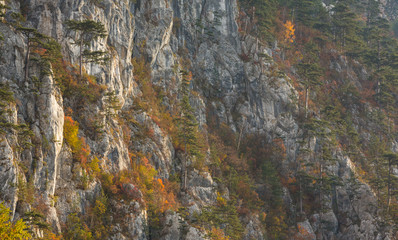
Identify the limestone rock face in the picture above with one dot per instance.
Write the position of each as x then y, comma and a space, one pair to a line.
8, 175
236, 80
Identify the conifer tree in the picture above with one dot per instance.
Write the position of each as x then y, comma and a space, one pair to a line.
6, 98
265, 14
187, 126
372, 12
305, 11
32, 37
88, 31
375, 35
310, 71
112, 104
391, 161
37, 220
345, 28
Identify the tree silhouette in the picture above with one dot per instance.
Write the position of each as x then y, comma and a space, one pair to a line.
88, 31
310, 71
32, 36
187, 125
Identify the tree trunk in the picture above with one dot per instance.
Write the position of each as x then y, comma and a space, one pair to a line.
301, 197
378, 184
389, 186
27, 61
320, 187
81, 57
184, 169
185, 172
307, 92
378, 55
240, 135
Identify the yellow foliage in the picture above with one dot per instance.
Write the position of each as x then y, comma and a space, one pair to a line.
9, 230
80, 150
99, 207
94, 166
220, 200
218, 234
71, 129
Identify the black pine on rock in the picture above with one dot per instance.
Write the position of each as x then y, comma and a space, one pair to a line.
88, 31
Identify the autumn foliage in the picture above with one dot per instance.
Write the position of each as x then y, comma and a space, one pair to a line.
218, 234
10, 230
80, 150
142, 184
157, 192
289, 32
84, 89
152, 98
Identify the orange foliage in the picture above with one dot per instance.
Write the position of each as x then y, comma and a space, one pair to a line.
276, 223
164, 197
83, 153
40, 51
218, 234
52, 236
161, 183
289, 32
157, 194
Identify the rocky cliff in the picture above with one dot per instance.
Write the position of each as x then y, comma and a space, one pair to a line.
235, 84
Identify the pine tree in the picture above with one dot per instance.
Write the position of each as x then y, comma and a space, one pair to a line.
6, 99
391, 161
310, 71
375, 148
112, 104
32, 37
375, 35
345, 29
88, 31
305, 11
36, 220
372, 12
265, 15
187, 126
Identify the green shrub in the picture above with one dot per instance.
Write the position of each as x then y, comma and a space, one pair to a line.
223, 215
77, 229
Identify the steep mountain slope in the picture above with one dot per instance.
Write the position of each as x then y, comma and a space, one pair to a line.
114, 154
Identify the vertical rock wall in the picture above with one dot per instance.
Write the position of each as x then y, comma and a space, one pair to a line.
243, 93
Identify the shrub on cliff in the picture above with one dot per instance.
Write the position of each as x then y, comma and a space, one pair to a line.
10, 230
